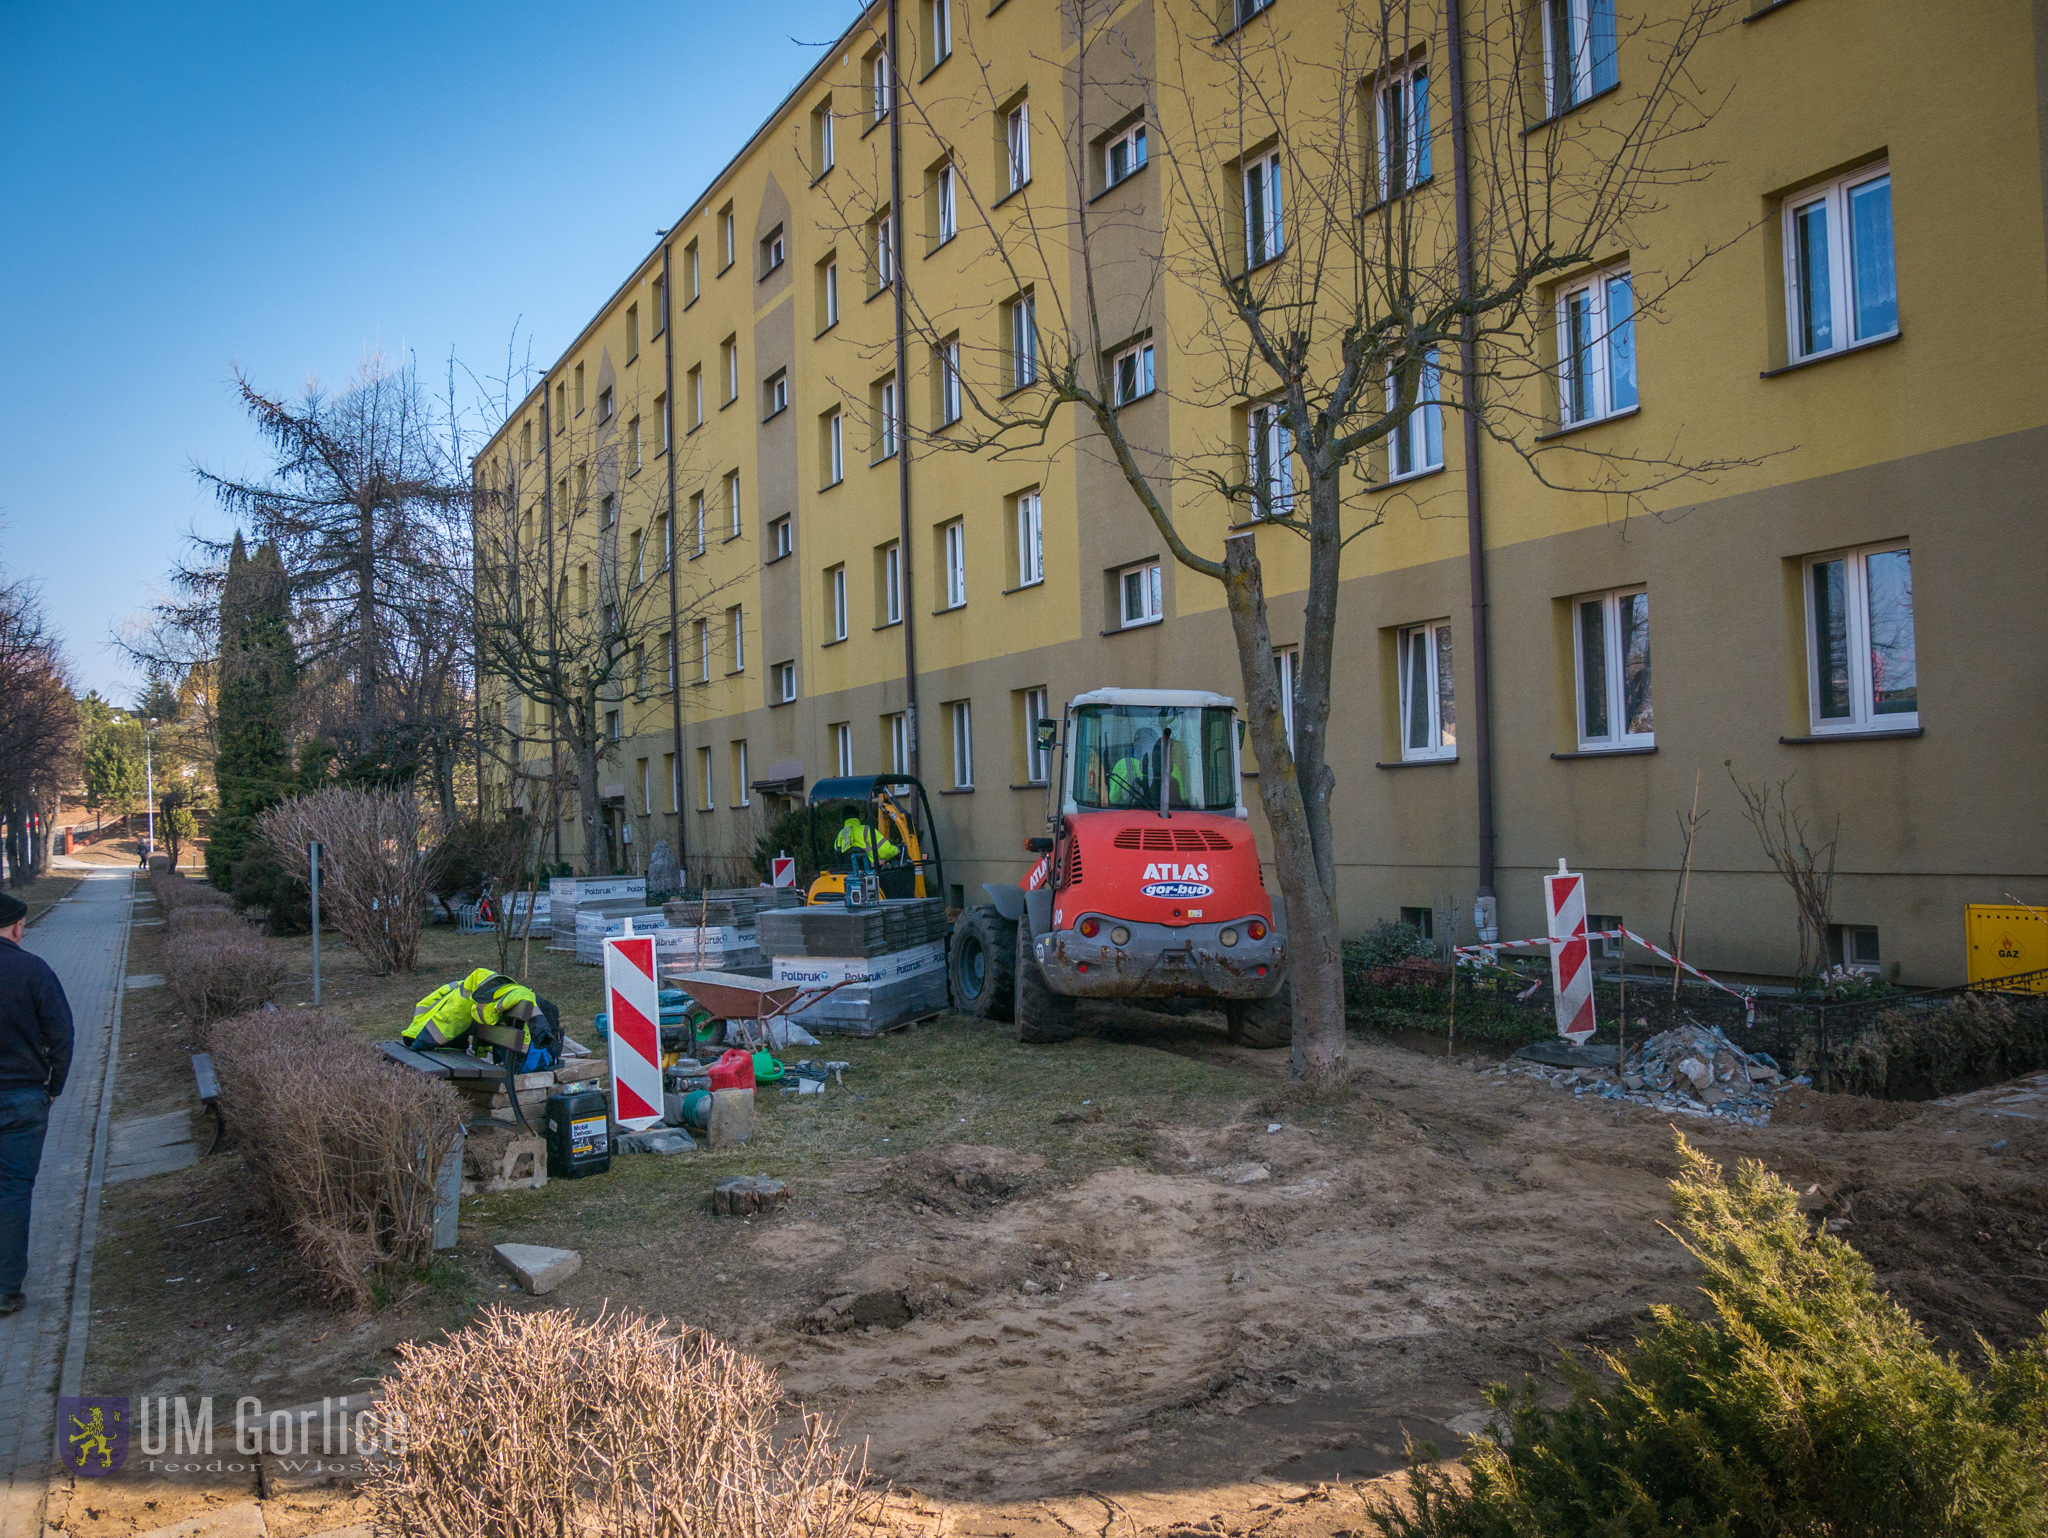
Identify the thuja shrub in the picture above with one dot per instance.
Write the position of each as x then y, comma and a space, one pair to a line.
1977, 1038
618, 1425
344, 1147
1809, 1403
217, 970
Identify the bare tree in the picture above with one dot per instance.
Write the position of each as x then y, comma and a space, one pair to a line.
1334, 299
1801, 858
38, 729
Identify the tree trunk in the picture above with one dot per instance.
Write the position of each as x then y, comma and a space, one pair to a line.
1307, 874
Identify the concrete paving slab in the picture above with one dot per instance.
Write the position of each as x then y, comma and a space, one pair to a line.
145, 980
539, 1268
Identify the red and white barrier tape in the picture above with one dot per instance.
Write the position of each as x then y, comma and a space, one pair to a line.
1486, 952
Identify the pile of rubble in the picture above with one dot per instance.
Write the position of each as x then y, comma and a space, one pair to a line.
1690, 1070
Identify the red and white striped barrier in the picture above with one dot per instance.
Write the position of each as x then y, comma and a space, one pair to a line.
634, 999
1485, 953
1571, 964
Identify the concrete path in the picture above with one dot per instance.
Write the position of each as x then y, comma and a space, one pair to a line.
85, 938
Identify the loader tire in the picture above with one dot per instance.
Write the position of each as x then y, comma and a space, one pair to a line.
982, 962
1041, 1014
1262, 1022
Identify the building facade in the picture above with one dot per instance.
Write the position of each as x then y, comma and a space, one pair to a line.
770, 451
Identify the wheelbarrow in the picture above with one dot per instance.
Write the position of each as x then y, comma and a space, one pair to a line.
749, 1003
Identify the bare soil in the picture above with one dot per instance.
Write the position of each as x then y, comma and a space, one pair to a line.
1135, 1276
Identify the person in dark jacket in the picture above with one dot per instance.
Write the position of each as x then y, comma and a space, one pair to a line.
35, 1057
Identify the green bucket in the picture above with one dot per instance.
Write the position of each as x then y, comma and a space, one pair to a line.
766, 1069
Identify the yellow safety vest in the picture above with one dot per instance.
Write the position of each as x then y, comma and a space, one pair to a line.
855, 836
473, 1007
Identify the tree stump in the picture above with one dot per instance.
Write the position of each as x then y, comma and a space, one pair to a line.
744, 1196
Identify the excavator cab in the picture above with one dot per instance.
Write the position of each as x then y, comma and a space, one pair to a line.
890, 833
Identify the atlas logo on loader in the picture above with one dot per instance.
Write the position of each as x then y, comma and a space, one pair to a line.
1176, 873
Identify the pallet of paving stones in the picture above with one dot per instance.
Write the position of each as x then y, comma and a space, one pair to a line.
831, 929
736, 906
869, 1009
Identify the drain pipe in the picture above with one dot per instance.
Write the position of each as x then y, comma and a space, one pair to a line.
1485, 915
668, 554
900, 426
547, 510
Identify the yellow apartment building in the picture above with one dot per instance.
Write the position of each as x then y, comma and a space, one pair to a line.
769, 458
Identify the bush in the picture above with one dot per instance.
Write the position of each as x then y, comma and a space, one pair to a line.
1978, 1038
1388, 943
1815, 1405
620, 1426
805, 832
262, 887
201, 918
174, 892
220, 970
374, 876
344, 1147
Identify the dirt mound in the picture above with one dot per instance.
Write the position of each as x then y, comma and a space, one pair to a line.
961, 1177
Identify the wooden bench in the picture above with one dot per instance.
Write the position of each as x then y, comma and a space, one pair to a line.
209, 1095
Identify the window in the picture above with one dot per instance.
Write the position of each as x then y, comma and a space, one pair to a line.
661, 416
778, 392
842, 747
1037, 760
938, 30
740, 788
1017, 143
785, 682
1264, 237
632, 332
835, 448
779, 542
1287, 675
948, 211
1023, 341
561, 407
1611, 647
703, 639
526, 441
1139, 587
1123, 155
821, 138
646, 786
728, 242
773, 251
639, 670
1247, 9
1596, 349
697, 519
891, 575
828, 295
732, 502
885, 251
1578, 51
1841, 286
1030, 540
660, 306
668, 646
1854, 946
693, 274
1270, 458
1421, 920
611, 725
1429, 722
633, 456
1132, 373
878, 85
896, 733
583, 588
579, 389
675, 790
1416, 446
885, 419
708, 798
955, 542
835, 600
1862, 669
729, 357
639, 557
608, 510
949, 381
696, 385
1605, 950
962, 722
1402, 119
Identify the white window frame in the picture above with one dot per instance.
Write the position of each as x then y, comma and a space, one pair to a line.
1584, 78
1037, 760
608, 506
1287, 676
732, 370
949, 218
1416, 447
899, 743
842, 748
778, 392
949, 382
962, 712
612, 727
1150, 591
1017, 141
675, 783
887, 447
1132, 142
1265, 225
956, 564
1595, 370
942, 31
780, 540
709, 787
885, 251
1269, 458
1863, 715
671, 638
1439, 748
693, 267
831, 295
633, 446
1023, 341
825, 147
604, 404
1141, 378
839, 603
881, 93
732, 498
1842, 310
746, 791
1401, 120
704, 651
778, 251
785, 682
697, 397
835, 438
698, 515
892, 583
1030, 540
1247, 9
736, 635
639, 556
1614, 664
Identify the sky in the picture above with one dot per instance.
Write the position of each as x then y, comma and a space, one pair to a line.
188, 189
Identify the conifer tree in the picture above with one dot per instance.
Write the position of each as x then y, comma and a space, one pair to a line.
258, 681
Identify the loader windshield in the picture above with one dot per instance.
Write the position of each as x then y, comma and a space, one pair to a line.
1122, 752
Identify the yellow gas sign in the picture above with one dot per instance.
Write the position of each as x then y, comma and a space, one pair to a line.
2006, 941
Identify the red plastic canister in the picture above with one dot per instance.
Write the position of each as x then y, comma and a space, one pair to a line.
735, 1070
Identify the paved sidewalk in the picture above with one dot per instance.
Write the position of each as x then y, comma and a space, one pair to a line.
85, 938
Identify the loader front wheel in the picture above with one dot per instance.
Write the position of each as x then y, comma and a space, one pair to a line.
1041, 1014
983, 960
1262, 1022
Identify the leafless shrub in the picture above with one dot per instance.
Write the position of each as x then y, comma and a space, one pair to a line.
174, 891
201, 918
374, 879
221, 971
620, 1426
344, 1147
1801, 859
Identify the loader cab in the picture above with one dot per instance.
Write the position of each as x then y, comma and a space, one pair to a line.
1156, 750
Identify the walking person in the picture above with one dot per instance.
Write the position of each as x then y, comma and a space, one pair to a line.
35, 1057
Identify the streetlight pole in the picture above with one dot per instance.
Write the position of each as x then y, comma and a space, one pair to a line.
149, 781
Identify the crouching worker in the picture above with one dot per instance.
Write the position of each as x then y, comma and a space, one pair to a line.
522, 1029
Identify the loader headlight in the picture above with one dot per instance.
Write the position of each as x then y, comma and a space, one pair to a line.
1120, 935
1228, 937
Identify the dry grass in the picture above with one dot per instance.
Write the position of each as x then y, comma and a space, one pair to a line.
619, 1425
344, 1147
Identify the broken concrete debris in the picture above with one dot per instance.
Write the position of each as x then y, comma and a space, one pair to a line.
1689, 1070
538, 1268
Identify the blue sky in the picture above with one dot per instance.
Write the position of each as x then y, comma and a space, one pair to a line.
187, 188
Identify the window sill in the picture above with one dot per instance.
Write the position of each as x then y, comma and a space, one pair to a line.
1765, 10
1409, 479
958, 790
1277, 256
824, 173
731, 537
951, 608
1129, 177
1137, 624
937, 65
778, 704
1565, 112
727, 404
876, 464
1392, 198
889, 624
768, 274
835, 641
875, 293
707, 809
694, 426
829, 325
691, 301
830, 484
1029, 384
775, 558
1899, 734
936, 248
1828, 357
1579, 427
778, 411
734, 672
1420, 763
1023, 587
1142, 396
874, 124
723, 270
1633, 751
1029, 785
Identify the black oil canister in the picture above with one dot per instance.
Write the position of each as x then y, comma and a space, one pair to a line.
578, 1133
